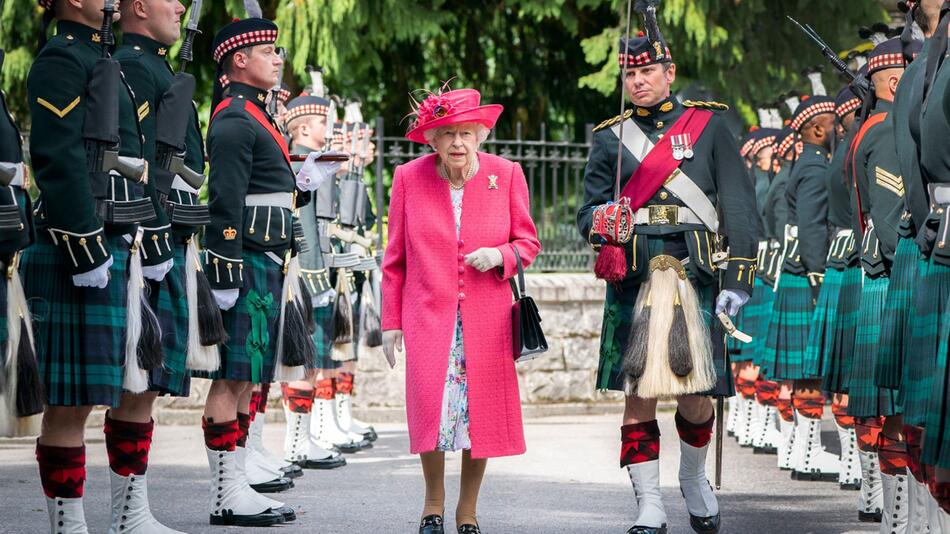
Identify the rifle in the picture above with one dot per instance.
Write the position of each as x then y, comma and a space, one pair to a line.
8, 172
101, 124
173, 117
858, 83
275, 91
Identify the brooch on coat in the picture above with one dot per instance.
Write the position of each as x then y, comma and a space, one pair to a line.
492, 181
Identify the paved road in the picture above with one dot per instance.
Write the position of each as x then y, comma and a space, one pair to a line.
568, 482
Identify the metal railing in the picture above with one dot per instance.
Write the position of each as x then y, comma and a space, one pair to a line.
555, 174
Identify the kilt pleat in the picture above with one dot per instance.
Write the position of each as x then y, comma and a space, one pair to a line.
759, 330
748, 321
865, 399
323, 338
937, 435
79, 333
264, 277
821, 333
839, 356
788, 327
897, 313
169, 300
930, 301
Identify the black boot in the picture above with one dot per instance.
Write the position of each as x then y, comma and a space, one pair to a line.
469, 529
705, 525
431, 524
647, 530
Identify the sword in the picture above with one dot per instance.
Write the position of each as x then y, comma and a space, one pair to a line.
720, 402
186, 54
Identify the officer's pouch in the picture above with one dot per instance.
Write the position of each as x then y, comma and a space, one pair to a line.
10, 218
267, 227
701, 245
872, 259
941, 245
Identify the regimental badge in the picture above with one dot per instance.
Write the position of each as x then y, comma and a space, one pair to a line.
261, 96
230, 234
659, 50
96, 38
492, 181
682, 146
162, 51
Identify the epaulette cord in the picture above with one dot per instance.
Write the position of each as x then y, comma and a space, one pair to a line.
705, 105
610, 122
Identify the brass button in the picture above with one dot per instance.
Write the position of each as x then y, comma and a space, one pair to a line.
664, 195
659, 124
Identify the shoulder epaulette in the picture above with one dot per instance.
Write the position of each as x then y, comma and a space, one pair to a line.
705, 105
610, 122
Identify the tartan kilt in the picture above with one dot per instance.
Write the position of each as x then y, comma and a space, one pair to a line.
838, 356
821, 333
169, 301
748, 320
79, 332
788, 327
323, 338
865, 399
930, 303
265, 278
895, 326
4, 288
936, 450
759, 331
618, 320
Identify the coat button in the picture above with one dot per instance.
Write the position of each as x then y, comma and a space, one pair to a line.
461, 257
461, 283
461, 243
461, 270
461, 296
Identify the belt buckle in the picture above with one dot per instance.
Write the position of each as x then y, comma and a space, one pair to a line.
663, 215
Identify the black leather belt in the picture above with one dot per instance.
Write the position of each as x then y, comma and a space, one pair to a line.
188, 215
125, 212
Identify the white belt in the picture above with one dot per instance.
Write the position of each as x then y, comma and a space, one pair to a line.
663, 215
178, 183
939, 194
276, 200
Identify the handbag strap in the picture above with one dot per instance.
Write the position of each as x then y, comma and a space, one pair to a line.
517, 287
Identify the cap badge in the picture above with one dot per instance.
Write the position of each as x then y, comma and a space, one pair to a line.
230, 234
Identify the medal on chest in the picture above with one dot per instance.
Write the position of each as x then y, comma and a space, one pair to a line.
682, 146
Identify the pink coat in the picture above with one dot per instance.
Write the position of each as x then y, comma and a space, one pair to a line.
425, 280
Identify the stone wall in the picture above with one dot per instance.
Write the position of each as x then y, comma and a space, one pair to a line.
561, 380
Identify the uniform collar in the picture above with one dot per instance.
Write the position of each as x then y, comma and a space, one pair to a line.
149, 45
658, 115
248, 92
883, 106
300, 149
74, 30
815, 149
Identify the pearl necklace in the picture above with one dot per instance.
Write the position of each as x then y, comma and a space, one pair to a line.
472, 170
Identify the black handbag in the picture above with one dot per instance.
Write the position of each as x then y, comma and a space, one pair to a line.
529, 341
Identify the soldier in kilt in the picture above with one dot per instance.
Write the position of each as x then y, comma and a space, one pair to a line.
250, 263
21, 398
932, 330
899, 365
78, 273
306, 119
647, 261
877, 203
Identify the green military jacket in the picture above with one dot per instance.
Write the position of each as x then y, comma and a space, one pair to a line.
807, 198
245, 159
16, 223
935, 163
715, 167
762, 180
843, 252
905, 117
880, 190
146, 69
70, 195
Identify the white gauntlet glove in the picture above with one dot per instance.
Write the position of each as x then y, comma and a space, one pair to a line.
731, 301
98, 277
315, 173
226, 298
392, 341
157, 272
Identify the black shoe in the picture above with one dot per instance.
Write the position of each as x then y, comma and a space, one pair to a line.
370, 434
853, 486
469, 529
273, 486
764, 450
324, 463
349, 447
814, 476
292, 471
264, 519
286, 512
431, 524
647, 530
705, 525
870, 517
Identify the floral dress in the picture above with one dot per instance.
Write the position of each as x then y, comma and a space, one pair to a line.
453, 428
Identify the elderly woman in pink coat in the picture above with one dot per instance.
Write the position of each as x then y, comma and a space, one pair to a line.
458, 219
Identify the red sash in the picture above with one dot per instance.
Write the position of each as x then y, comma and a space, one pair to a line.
869, 123
659, 164
262, 119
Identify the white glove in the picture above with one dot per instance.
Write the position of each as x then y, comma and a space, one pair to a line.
157, 272
392, 341
323, 299
485, 259
315, 173
226, 298
730, 301
98, 277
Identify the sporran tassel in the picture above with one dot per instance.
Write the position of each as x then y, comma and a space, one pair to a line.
204, 317
635, 360
292, 339
306, 307
370, 325
135, 379
342, 311
150, 353
24, 385
681, 362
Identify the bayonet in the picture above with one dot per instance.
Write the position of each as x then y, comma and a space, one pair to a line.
186, 55
836, 61
105, 33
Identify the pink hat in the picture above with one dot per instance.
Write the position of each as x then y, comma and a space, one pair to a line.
451, 107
